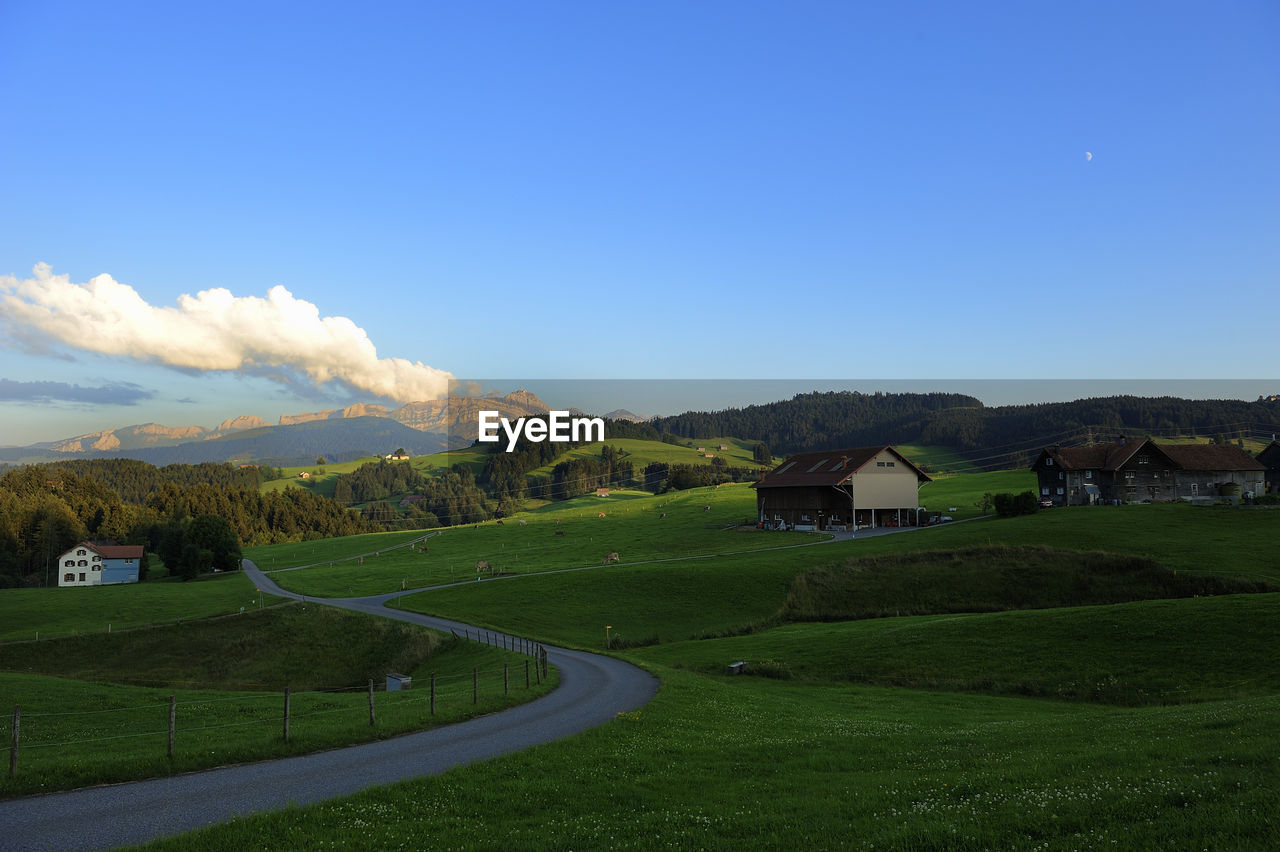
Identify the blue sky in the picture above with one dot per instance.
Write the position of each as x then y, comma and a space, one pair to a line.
830, 190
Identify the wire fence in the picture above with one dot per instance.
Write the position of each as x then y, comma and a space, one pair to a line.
155, 729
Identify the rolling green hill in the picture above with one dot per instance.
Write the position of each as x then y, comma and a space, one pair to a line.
1023, 728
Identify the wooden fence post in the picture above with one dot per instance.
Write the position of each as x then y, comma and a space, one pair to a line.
506, 679
475, 686
13, 751
433, 693
526, 674
371, 718
286, 714
173, 716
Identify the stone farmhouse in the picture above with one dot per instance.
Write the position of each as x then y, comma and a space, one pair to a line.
89, 564
836, 489
1141, 471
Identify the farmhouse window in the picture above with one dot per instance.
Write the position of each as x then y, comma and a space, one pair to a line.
1059, 492
1195, 486
81, 552
1048, 462
1144, 459
891, 464
68, 578
1059, 475
70, 563
83, 562
1044, 492
81, 578
879, 464
1088, 474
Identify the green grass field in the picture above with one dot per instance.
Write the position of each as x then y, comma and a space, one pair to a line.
745, 763
941, 460
571, 534
95, 708
55, 612
962, 492
1147, 652
1135, 725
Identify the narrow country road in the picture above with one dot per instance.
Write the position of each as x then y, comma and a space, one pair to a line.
593, 689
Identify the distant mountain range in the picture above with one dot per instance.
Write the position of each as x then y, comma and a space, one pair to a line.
987, 437
338, 434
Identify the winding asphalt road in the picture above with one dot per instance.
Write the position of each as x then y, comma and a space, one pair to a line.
593, 689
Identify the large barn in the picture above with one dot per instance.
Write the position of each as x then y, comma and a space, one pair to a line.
1142, 471
834, 490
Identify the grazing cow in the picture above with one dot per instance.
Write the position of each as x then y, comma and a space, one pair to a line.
483, 566
610, 557
559, 532
600, 515
663, 515
522, 522
706, 508
499, 522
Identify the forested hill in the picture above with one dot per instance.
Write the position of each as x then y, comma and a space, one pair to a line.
813, 421
997, 436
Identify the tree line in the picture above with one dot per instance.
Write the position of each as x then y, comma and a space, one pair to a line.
47, 509
831, 419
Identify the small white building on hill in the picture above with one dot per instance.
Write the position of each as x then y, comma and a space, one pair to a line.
89, 564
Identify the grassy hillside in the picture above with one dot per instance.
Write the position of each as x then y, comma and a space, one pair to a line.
564, 535
868, 733
723, 592
938, 461
1149, 652
990, 578
737, 453
1234, 542
95, 708
745, 763
55, 612
303, 647
958, 495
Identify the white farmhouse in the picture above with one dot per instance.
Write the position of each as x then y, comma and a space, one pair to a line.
89, 564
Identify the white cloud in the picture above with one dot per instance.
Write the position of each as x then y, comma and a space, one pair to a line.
212, 330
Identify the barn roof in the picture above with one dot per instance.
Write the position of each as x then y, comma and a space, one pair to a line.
115, 551
831, 467
1185, 456
1270, 453
1212, 457
1095, 457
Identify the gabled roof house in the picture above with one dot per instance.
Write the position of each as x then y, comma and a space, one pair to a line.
836, 489
91, 564
1141, 471
1270, 459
